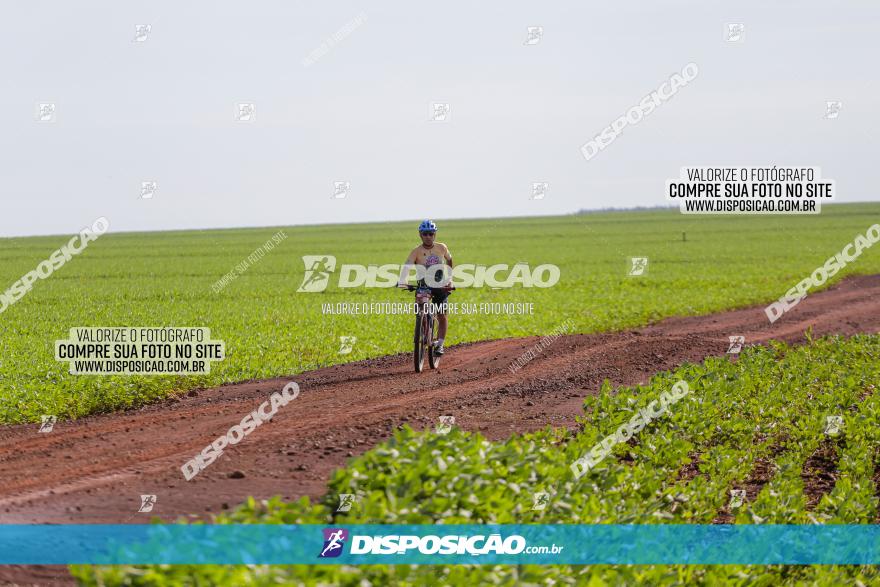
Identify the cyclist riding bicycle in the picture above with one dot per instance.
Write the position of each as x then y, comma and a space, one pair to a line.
429, 254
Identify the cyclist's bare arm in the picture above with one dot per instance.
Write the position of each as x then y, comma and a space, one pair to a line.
448, 256
410, 262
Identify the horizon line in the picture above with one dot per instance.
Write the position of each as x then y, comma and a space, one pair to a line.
603, 210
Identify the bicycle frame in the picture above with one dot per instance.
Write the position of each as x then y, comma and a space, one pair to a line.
425, 330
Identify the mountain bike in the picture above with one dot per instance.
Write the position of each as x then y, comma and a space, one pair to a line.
425, 335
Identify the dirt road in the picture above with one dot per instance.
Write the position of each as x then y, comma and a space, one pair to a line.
94, 470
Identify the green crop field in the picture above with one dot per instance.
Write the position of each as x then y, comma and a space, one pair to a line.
697, 265
772, 406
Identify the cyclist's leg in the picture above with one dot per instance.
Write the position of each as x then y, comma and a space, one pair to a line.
438, 297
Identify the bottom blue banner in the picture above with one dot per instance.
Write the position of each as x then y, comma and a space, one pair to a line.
439, 544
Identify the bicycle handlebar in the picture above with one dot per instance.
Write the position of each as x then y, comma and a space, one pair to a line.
409, 287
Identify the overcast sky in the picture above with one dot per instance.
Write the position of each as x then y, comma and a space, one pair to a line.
164, 108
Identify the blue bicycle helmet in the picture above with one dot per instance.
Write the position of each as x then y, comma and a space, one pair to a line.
427, 226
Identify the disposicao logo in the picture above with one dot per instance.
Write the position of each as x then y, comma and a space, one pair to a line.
318, 270
334, 540
319, 267
76, 245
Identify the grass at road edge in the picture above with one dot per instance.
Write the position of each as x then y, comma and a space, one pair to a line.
697, 265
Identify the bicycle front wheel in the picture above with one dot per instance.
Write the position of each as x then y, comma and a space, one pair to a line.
418, 344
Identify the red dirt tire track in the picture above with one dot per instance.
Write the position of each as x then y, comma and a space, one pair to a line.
93, 470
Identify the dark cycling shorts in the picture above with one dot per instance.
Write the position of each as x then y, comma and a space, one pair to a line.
438, 294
